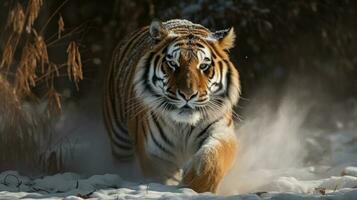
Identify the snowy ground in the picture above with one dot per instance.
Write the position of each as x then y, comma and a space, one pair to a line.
109, 186
279, 159
284, 184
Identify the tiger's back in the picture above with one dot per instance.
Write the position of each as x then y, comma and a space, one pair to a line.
119, 92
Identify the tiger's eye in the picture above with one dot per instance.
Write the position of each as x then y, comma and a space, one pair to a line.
172, 64
204, 66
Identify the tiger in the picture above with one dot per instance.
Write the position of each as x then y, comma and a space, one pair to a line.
169, 100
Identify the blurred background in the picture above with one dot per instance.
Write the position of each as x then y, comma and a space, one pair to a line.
277, 40
301, 52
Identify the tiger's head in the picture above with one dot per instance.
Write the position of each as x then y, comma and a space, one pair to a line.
187, 76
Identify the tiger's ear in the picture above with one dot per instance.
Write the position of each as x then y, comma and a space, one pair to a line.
225, 38
157, 30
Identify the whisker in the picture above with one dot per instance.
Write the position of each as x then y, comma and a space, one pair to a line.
235, 115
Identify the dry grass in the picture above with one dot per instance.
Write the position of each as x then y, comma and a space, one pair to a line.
74, 63
24, 130
33, 9
17, 18
10, 105
54, 100
60, 26
8, 53
18, 146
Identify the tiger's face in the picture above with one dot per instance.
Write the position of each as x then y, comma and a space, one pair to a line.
189, 78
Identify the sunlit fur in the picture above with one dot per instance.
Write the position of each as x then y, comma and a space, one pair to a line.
169, 97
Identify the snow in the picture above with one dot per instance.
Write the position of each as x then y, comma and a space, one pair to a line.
111, 186
72, 186
352, 171
268, 167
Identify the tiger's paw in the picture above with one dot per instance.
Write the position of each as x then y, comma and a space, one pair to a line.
202, 175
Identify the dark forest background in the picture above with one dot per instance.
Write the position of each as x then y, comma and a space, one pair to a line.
310, 44
276, 39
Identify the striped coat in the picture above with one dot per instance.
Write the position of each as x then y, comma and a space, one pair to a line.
169, 98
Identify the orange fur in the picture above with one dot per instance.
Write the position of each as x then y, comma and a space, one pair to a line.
213, 167
227, 42
211, 162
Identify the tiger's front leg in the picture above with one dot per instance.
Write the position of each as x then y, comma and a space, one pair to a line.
212, 161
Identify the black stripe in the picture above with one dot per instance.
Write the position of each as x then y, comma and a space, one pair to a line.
219, 101
201, 51
129, 42
157, 143
161, 104
112, 101
200, 45
219, 84
228, 78
116, 115
216, 51
205, 129
113, 108
174, 51
164, 50
145, 77
122, 146
169, 91
214, 55
172, 98
200, 143
114, 123
127, 55
179, 44
156, 60
220, 64
154, 77
162, 133
202, 133
170, 106
189, 133
213, 49
116, 119
121, 138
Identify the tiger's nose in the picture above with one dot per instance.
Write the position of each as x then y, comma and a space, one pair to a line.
188, 95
